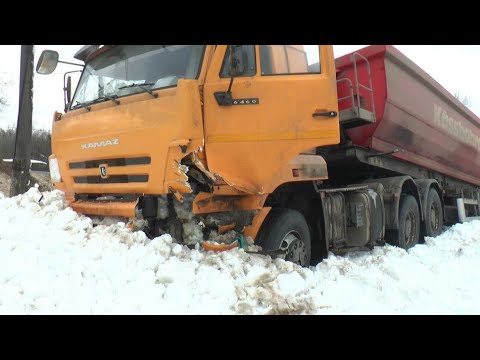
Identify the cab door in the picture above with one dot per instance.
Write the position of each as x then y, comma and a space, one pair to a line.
283, 103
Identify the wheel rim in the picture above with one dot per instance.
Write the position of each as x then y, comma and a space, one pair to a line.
296, 251
434, 217
410, 228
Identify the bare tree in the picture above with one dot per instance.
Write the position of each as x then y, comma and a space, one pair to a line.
462, 98
3, 100
41, 144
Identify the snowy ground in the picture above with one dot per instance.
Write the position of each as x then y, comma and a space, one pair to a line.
52, 261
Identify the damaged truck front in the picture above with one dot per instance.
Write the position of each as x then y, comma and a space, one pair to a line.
151, 135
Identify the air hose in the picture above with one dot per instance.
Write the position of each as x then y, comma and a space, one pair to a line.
238, 241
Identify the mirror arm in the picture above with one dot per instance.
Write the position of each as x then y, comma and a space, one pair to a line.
65, 92
225, 98
67, 103
229, 91
70, 63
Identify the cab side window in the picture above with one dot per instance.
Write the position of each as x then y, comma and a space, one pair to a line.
247, 52
289, 59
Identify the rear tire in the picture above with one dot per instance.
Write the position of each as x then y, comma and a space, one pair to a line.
433, 214
286, 229
409, 231
408, 234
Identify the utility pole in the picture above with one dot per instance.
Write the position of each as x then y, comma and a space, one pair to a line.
23, 140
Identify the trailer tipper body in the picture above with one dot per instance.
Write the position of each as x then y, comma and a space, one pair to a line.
282, 144
414, 114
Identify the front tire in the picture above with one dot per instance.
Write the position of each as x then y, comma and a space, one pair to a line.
286, 229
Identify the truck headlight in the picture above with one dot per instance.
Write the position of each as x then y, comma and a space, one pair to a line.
54, 170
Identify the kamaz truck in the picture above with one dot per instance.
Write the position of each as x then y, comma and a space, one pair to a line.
282, 144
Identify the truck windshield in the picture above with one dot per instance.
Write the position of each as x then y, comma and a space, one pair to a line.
130, 69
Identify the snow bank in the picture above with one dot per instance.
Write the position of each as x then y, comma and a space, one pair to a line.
53, 261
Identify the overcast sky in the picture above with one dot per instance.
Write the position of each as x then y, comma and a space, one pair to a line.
456, 67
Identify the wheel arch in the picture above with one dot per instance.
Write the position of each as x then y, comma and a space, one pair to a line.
301, 196
394, 188
424, 186
273, 232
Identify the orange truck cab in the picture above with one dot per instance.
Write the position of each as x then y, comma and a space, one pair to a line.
205, 141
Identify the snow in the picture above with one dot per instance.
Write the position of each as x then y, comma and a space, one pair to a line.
54, 261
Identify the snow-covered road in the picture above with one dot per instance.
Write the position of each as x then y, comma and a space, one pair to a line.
53, 261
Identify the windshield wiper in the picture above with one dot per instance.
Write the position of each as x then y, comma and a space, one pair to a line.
141, 86
114, 97
107, 97
97, 100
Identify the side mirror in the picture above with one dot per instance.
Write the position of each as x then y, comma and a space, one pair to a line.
47, 63
238, 60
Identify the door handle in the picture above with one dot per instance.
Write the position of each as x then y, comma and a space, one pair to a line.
325, 114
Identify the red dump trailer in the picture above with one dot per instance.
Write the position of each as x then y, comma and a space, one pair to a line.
413, 113
406, 138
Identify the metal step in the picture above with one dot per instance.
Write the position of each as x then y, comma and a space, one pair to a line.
462, 217
354, 117
355, 114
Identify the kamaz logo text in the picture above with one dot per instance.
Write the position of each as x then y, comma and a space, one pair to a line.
102, 143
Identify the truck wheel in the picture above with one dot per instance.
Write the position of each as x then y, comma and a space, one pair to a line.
433, 214
286, 229
409, 222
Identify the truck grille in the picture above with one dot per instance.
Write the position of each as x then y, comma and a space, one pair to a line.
113, 179
90, 164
